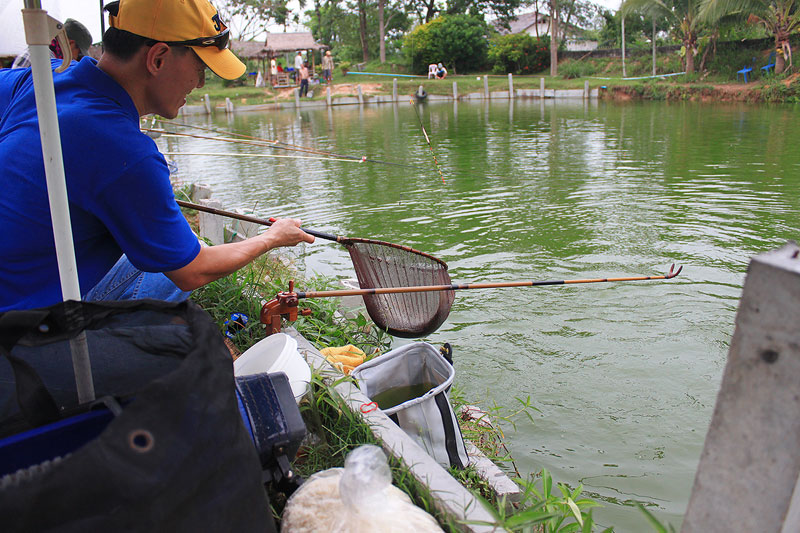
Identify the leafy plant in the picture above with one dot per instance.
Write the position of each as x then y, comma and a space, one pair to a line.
561, 511
457, 41
519, 53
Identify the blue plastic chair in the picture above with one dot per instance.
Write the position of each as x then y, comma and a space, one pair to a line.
744, 72
770, 63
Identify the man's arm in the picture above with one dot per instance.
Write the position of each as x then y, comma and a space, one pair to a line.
214, 262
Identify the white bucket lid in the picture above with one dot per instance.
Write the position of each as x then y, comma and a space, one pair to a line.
276, 353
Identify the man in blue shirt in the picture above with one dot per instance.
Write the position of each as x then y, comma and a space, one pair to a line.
131, 240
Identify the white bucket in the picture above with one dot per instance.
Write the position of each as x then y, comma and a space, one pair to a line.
276, 353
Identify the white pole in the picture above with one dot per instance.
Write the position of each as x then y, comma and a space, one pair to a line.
624, 75
39, 31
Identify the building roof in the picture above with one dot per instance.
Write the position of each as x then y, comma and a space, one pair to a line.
290, 42
248, 49
525, 20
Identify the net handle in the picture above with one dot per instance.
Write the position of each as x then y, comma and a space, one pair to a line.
346, 241
255, 220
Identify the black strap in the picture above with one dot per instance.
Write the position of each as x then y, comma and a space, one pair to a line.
450, 442
34, 400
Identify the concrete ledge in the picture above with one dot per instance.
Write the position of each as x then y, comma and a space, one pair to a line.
449, 495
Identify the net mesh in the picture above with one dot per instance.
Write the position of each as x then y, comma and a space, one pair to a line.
411, 315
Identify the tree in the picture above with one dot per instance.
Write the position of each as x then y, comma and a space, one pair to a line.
780, 18
383, 24
253, 16
502, 11
338, 24
553, 37
682, 15
458, 41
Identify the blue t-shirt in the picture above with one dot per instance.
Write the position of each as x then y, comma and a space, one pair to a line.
120, 196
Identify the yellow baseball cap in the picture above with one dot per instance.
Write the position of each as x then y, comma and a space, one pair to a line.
192, 23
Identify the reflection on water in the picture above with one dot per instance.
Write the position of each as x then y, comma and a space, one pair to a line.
625, 375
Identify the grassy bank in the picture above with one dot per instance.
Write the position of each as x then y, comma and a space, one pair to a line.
718, 82
337, 430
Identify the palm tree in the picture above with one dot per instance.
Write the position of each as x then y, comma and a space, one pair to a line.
682, 16
780, 19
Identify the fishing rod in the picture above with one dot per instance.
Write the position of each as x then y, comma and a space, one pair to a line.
258, 141
277, 156
430, 146
460, 286
416, 320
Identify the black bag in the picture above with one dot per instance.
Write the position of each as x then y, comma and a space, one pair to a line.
176, 457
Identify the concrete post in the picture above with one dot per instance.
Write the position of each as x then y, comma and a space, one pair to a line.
360, 94
455, 91
510, 85
486, 87
297, 97
228, 105
586, 90
240, 230
748, 475
207, 102
211, 226
394, 89
199, 191
541, 88
328, 95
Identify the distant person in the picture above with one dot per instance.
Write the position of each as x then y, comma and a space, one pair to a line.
441, 72
273, 71
298, 64
327, 67
304, 75
79, 41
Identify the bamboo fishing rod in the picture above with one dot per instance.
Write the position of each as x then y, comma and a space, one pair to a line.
459, 286
430, 146
274, 156
258, 141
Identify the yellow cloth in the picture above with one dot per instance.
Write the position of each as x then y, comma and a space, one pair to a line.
345, 358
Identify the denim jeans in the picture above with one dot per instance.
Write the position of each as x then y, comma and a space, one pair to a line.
126, 282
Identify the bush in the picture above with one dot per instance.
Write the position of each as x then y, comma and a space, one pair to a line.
519, 53
457, 41
575, 69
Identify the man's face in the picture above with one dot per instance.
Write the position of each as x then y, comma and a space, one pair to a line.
183, 73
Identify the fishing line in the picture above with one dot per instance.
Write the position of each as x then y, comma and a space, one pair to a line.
277, 156
257, 141
435, 162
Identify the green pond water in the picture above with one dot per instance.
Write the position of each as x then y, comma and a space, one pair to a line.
625, 374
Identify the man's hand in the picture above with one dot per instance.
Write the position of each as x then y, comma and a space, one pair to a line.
285, 232
214, 262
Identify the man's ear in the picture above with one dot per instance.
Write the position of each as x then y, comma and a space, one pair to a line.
156, 57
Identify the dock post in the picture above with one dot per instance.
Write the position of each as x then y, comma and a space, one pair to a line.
228, 106
455, 91
297, 97
394, 89
541, 88
749, 472
211, 226
510, 85
328, 95
586, 90
486, 87
207, 103
360, 94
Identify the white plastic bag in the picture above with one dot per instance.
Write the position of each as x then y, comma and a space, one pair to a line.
358, 498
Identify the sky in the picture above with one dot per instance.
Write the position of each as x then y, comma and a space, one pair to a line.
12, 39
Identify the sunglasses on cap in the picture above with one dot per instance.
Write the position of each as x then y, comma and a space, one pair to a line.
220, 41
